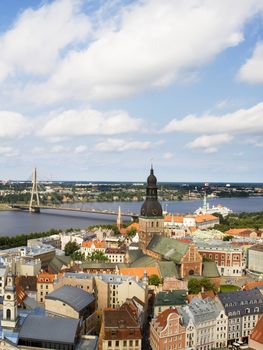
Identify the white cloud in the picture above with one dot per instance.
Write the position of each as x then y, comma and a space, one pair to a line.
72, 123
120, 145
35, 43
13, 125
209, 143
8, 151
149, 44
59, 149
252, 70
80, 149
243, 121
168, 155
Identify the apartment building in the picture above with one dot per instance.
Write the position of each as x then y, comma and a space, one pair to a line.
206, 324
229, 258
243, 309
167, 331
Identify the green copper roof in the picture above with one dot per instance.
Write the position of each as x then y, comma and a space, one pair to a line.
210, 269
168, 269
171, 298
168, 248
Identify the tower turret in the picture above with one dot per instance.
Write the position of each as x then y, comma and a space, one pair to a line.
9, 304
151, 219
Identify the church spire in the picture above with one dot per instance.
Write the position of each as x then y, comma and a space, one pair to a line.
119, 219
9, 304
151, 206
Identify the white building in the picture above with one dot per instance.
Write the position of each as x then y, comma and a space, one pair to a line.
115, 255
3, 274
89, 247
206, 324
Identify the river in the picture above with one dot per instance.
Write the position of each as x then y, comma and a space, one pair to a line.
18, 222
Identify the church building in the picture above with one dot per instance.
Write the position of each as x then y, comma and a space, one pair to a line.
151, 220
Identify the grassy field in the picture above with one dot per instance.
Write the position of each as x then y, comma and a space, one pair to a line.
225, 288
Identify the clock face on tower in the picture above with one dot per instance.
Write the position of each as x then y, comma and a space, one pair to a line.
154, 212
143, 211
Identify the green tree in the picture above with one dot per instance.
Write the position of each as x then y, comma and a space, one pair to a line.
227, 238
194, 286
78, 256
154, 280
98, 255
207, 284
132, 232
71, 247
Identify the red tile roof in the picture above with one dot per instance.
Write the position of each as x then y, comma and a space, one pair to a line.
97, 244
257, 333
163, 316
139, 271
252, 285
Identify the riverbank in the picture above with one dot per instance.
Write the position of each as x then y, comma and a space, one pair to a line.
6, 207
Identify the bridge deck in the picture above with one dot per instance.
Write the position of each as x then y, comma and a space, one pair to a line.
87, 210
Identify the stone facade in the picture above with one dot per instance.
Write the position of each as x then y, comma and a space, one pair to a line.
191, 263
148, 228
167, 331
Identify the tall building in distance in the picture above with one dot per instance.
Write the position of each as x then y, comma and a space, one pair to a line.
151, 220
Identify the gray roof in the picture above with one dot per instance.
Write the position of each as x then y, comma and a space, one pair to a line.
58, 262
75, 297
236, 303
106, 277
53, 329
88, 343
201, 310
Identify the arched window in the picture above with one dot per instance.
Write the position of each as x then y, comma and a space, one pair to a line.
8, 314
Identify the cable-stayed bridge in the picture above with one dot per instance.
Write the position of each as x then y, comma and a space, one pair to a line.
35, 204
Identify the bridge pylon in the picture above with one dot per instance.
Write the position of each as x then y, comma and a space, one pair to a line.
34, 192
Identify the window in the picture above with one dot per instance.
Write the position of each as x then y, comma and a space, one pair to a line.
130, 343
136, 342
8, 314
124, 342
109, 343
117, 343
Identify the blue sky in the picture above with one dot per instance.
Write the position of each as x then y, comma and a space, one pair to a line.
96, 90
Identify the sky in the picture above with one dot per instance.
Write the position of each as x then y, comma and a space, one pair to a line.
97, 90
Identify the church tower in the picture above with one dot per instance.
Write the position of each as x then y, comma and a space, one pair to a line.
151, 220
119, 219
9, 304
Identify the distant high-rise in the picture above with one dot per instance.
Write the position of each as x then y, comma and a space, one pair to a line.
151, 219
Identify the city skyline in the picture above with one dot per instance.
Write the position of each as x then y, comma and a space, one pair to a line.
103, 88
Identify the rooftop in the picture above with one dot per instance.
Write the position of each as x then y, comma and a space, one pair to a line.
139, 271
75, 297
257, 247
163, 317
169, 248
174, 297
257, 333
53, 329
